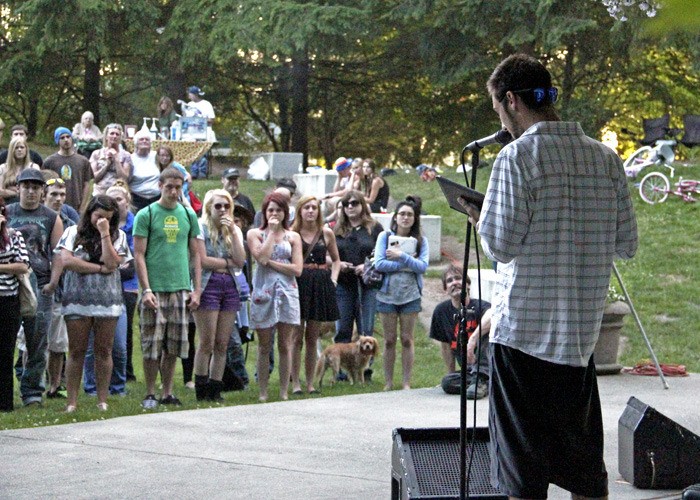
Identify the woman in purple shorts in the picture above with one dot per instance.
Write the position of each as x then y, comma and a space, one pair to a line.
222, 254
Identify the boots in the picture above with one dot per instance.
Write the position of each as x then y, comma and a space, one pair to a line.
215, 388
202, 388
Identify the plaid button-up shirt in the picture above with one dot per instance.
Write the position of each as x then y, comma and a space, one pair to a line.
557, 211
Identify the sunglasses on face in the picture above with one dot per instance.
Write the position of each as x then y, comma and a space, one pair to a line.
51, 182
351, 203
219, 206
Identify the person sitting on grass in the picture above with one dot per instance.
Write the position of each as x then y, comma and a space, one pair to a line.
444, 328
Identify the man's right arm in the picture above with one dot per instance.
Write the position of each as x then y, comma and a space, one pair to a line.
148, 297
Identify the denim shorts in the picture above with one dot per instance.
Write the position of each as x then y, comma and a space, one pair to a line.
220, 294
407, 308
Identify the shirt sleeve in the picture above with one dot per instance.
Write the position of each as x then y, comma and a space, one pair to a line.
505, 216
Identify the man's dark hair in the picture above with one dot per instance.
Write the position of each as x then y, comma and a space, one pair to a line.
19, 127
287, 183
170, 173
453, 269
522, 75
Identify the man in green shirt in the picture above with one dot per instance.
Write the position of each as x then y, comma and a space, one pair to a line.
165, 248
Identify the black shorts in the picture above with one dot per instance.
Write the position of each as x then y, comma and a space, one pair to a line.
546, 426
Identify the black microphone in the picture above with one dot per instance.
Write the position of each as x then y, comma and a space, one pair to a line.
502, 137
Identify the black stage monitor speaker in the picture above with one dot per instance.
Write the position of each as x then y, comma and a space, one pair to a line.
655, 452
425, 464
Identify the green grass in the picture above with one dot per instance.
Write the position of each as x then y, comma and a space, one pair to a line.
661, 279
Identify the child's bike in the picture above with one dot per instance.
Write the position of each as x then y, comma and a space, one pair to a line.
655, 188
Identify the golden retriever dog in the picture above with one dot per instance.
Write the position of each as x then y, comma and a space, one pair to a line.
353, 358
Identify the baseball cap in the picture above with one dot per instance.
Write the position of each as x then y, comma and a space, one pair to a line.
342, 163
195, 90
288, 183
231, 172
31, 175
243, 212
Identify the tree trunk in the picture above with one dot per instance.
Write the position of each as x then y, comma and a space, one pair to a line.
300, 105
33, 115
91, 88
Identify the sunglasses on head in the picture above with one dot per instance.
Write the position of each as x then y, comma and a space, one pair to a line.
351, 203
219, 206
58, 181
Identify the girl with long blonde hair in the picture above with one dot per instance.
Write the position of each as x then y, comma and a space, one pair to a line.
17, 160
222, 255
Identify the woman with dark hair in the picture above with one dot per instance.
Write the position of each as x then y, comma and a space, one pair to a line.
356, 233
374, 187
17, 160
166, 158
166, 114
317, 286
222, 254
275, 299
14, 261
402, 255
91, 253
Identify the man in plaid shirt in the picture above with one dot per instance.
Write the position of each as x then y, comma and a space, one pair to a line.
557, 211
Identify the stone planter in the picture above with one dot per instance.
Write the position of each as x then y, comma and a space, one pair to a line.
608, 345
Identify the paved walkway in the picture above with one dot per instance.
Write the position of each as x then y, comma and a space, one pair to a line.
326, 448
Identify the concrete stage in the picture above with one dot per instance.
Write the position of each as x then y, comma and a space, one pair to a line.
320, 448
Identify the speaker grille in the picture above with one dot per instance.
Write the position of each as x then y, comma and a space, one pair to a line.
436, 463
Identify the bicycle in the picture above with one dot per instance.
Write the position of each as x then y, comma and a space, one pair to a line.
655, 188
661, 154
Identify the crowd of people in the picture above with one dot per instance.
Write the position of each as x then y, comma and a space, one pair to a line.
556, 213
97, 233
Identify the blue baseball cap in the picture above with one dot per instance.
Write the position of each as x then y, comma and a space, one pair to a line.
195, 90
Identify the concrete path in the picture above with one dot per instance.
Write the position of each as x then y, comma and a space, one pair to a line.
327, 448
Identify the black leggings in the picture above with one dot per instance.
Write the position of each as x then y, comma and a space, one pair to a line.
9, 327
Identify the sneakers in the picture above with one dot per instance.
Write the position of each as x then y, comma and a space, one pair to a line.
150, 402
170, 400
478, 389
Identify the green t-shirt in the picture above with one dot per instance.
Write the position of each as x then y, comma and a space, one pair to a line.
167, 254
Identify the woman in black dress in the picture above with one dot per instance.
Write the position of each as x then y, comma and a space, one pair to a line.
316, 287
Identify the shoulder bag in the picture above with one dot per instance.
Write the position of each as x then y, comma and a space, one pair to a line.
27, 297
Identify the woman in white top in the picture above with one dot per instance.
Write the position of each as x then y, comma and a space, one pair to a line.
111, 162
91, 253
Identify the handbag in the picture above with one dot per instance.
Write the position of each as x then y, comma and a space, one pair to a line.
195, 203
27, 297
370, 276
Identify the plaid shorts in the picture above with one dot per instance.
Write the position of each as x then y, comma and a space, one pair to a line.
165, 328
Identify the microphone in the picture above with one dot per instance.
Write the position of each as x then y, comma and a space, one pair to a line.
502, 137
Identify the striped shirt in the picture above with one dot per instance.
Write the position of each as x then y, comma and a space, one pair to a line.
557, 211
16, 251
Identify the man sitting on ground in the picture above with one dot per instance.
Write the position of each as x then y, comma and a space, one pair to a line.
444, 328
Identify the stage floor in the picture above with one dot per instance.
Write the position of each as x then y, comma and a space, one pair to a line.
326, 448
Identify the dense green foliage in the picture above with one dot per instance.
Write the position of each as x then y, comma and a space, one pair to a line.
398, 80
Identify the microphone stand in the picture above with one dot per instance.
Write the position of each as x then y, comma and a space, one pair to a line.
462, 335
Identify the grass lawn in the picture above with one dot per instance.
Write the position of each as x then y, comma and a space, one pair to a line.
660, 279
